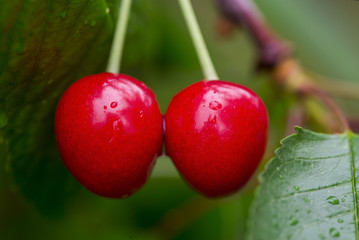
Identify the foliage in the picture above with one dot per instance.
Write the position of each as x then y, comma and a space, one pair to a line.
309, 190
47, 45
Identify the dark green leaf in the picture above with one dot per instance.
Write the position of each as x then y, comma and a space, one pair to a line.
44, 47
309, 190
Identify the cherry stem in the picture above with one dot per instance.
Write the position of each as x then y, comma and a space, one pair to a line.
114, 61
202, 52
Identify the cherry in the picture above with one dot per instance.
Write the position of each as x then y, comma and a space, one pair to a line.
216, 134
109, 133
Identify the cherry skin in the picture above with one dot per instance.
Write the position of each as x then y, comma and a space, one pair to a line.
216, 134
109, 132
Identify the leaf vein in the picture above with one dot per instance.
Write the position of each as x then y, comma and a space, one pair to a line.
353, 184
312, 190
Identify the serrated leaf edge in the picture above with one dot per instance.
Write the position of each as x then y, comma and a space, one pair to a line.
299, 131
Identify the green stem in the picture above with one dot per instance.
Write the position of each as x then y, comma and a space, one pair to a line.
206, 63
114, 61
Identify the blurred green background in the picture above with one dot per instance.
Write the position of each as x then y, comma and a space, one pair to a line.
40, 200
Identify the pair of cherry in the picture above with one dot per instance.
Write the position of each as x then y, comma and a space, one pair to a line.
110, 130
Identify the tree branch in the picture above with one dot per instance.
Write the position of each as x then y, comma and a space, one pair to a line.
276, 56
244, 13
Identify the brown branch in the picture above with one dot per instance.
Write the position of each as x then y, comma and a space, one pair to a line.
244, 13
276, 56
290, 75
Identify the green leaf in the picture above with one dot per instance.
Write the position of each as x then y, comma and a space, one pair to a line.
44, 47
309, 190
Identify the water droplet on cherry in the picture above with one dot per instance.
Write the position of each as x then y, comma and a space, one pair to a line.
212, 118
141, 114
116, 125
214, 105
113, 104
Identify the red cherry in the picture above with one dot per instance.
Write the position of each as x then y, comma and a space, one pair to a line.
216, 134
109, 133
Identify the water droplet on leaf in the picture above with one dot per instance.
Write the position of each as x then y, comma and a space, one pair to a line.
296, 187
334, 232
333, 200
294, 222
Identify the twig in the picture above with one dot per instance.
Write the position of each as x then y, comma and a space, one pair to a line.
289, 74
276, 56
244, 13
